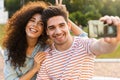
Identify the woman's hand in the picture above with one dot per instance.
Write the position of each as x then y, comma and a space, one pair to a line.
59, 3
38, 59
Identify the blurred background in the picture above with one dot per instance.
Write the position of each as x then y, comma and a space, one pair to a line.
80, 11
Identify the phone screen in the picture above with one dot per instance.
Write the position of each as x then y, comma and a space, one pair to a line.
98, 29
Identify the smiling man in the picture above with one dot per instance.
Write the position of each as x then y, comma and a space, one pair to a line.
72, 57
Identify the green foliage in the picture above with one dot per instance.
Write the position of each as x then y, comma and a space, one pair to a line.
78, 17
88, 9
50, 1
11, 6
109, 8
92, 9
1, 33
81, 18
92, 12
84, 10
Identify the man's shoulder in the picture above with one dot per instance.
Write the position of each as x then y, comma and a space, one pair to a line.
47, 49
78, 39
83, 40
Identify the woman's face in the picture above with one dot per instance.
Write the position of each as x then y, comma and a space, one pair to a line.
34, 27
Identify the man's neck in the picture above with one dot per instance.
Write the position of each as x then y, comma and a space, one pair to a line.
66, 45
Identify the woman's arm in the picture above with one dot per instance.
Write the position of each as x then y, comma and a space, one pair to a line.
29, 74
38, 59
10, 72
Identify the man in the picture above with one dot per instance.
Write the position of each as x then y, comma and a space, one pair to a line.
72, 57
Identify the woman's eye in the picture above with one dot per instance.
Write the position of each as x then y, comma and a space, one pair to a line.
40, 24
31, 20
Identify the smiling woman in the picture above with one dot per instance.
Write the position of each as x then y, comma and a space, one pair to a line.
34, 27
24, 42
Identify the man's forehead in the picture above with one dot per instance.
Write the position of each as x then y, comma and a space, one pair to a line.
55, 20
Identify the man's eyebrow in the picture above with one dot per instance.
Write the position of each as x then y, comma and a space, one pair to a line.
58, 24
50, 26
61, 23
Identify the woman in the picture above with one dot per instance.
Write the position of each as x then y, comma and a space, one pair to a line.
25, 37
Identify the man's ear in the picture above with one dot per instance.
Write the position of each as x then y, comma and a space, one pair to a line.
69, 25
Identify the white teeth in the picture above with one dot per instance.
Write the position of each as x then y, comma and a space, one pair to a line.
58, 37
33, 30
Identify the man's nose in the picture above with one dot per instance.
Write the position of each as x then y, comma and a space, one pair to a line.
58, 31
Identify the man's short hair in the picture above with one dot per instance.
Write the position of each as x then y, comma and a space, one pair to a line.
52, 11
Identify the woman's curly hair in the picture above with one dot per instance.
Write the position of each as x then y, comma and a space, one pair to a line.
15, 39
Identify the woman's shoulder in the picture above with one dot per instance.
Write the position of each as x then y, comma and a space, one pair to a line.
5, 53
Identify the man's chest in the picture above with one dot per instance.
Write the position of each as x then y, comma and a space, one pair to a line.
69, 64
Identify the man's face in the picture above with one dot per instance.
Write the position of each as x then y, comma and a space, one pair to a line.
58, 30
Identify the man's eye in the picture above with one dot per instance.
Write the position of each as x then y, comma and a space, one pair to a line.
51, 28
62, 25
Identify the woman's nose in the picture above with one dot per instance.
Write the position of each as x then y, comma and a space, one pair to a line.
35, 24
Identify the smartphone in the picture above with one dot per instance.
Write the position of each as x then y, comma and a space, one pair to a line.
97, 29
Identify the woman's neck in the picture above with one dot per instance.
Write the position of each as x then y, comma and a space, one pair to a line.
31, 45
31, 42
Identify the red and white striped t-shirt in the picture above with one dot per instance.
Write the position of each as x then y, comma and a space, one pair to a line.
76, 63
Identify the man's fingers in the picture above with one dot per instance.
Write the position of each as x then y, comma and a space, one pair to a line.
106, 19
118, 32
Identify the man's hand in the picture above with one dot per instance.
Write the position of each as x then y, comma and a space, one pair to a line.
114, 20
